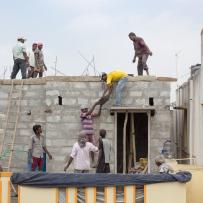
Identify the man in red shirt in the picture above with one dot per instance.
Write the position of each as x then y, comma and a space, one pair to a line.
142, 51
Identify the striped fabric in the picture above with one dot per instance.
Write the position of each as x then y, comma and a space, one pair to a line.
87, 122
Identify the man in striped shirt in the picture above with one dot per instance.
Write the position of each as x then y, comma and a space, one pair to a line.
86, 117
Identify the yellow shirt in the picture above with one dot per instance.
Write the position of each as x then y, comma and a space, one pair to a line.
115, 76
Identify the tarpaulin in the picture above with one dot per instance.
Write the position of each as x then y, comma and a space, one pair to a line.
91, 180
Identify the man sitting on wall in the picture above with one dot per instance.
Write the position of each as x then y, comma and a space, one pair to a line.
115, 76
81, 154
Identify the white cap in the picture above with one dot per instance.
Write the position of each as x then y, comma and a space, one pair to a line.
83, 106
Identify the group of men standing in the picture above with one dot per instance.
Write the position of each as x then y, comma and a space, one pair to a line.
84, 149
31, 64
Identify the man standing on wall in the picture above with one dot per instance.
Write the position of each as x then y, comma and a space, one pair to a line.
104, 153
81, 154
39, 58
20, 58
32, 61
142, 51
115, 76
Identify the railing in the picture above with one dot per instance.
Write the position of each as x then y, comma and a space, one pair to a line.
159, 193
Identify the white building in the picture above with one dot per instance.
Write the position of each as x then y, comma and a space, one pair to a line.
189, 114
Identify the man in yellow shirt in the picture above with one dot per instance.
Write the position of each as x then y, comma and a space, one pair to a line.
115, 76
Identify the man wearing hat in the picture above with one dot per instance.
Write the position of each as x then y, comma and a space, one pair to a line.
20, 58
86, 116
142, 52
118, 76
40, 65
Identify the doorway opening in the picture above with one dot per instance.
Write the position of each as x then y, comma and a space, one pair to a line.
136, 140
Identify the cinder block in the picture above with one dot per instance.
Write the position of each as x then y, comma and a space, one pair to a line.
135, 93
52, 93
3, 95
82, 101
70, 101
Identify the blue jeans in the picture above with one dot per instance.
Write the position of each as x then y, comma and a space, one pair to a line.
119, 88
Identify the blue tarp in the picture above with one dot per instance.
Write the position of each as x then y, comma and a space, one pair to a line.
93, 180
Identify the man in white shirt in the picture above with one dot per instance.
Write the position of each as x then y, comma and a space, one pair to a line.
32, 61
20, 58
81, 154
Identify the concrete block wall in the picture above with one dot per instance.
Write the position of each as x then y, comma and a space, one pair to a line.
61, 123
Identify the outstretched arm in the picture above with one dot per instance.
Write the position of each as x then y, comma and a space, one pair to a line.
68, 164
99, 111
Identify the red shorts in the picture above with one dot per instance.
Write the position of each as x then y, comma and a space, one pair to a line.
37, 162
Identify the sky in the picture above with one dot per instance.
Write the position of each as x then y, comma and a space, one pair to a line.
70, 29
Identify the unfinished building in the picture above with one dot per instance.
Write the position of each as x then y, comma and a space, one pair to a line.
143, 122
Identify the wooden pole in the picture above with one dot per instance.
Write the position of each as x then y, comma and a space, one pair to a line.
133, 138
124, 142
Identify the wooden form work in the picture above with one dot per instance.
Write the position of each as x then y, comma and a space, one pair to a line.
131, 111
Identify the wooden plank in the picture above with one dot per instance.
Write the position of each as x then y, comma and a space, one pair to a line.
71, 195
133, 138
124, 142
110, 195
129, 194
90, 195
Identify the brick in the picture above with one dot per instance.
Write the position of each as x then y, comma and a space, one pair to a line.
135, 93
52, 93
69, 101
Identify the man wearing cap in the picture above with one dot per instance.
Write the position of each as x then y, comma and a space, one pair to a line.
86, 116
32, 61
142, 51
20, 58
118, 76
40, 65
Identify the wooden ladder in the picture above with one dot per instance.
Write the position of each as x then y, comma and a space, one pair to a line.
16, 122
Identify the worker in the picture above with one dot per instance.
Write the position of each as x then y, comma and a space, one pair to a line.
32, 62
104, 157
37, 147
142, 51
39, 58
20, 58
81, 154
118, 76
162, 165
86, 116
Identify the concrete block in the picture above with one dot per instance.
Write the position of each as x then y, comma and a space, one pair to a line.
165, 94
80, 85
140, 101
3, 102
82, 101
53, 118
3, 95
70, 101
48, 101
35, 102
135, 93
52, 93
